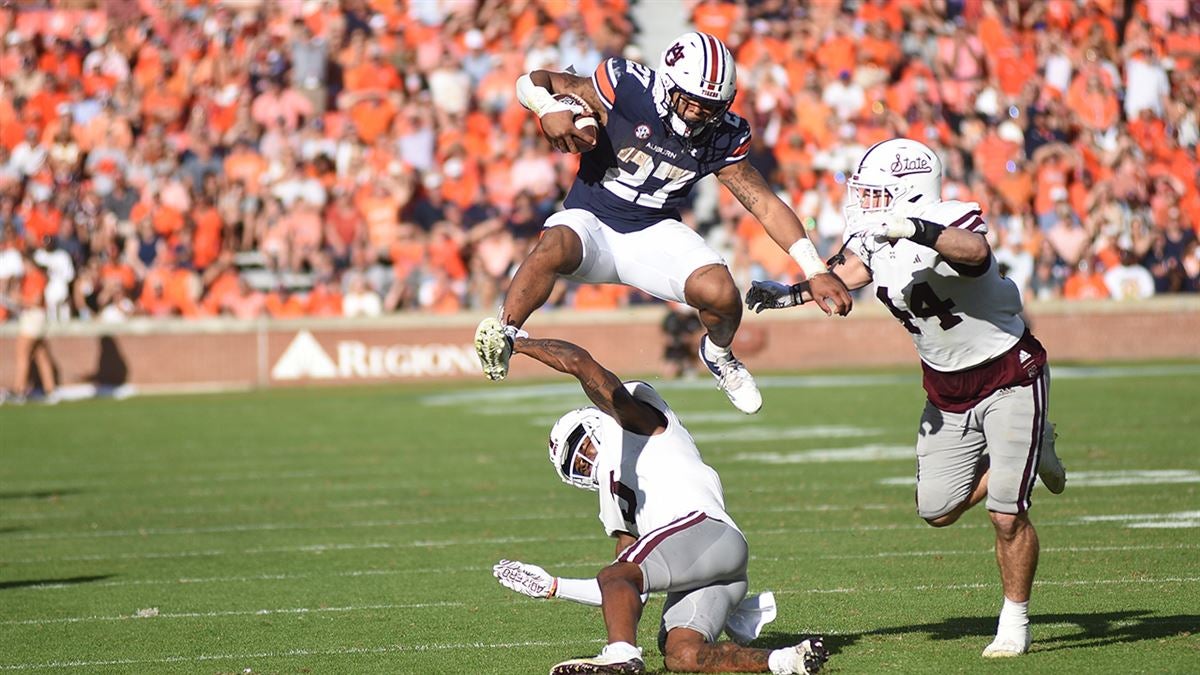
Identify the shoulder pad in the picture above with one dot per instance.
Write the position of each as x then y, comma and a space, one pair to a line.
963, 215
647, 394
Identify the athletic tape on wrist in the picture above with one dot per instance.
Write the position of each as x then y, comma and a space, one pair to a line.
538, 100
805, 255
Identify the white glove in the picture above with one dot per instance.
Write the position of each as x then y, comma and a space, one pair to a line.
746, 621
897, 222
770, 295
525, 579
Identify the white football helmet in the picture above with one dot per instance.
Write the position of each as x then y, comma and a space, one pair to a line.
566, 445
891, 171
697, 67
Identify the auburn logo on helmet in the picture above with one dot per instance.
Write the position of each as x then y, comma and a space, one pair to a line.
673, 54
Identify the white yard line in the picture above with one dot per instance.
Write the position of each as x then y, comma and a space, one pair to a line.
439, 543
475, 396
346, 651
472, 569
206, 615
981, 551
1110, 625
377, 503
990, 584
40, 483
427, 543
354, 608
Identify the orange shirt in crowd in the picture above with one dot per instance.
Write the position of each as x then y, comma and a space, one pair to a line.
372, 117
716, 18
836, 55
407, 254
323, 301
42, 222
246, 165
167, 221
592, 297
119, 271
284, 305
887, 11
382, 215
206, 241
444, 254
1083, 286
222, 291
33, 285
1051, 178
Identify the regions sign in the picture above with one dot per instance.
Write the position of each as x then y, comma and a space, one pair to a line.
305, 358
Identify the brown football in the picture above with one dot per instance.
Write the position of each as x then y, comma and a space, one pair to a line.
585, 118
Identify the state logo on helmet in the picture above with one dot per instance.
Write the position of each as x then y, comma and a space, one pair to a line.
697, 74
890, 171
567, 452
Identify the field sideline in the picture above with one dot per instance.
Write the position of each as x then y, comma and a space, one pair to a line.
353, 530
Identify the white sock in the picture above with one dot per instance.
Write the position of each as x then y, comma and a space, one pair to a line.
512, 333
712, 352
783, 661
622, 651
1014, 617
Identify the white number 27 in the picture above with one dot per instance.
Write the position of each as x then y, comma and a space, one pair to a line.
625, 184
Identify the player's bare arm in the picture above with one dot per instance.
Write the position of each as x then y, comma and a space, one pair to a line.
751, 189
602, 387
963, 246
852, 271
536, 92
782, 225
567, 83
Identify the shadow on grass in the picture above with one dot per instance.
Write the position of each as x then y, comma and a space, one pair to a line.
1097, 630
67, 581
39, 494
1092, 630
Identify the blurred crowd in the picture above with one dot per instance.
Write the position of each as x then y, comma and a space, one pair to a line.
360, 157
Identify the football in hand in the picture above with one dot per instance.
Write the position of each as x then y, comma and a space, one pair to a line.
585, 118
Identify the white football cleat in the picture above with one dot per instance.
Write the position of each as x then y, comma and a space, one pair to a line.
733, 379
1005, 646
620, 658
1050, 468
494, 348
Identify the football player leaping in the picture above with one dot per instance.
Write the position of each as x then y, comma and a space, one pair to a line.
666, 509
661, 132
985, 375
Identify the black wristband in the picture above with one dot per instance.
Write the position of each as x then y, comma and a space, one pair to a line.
798, 292
927, 232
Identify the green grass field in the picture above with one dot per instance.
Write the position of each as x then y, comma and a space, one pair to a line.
354, 530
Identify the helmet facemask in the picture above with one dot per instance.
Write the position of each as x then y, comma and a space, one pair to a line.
575, 446
679, 101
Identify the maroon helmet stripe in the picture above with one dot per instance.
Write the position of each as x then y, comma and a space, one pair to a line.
644, 546
716, 63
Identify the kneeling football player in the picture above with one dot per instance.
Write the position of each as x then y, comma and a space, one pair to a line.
666, 509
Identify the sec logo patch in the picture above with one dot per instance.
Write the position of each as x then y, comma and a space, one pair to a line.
642, 131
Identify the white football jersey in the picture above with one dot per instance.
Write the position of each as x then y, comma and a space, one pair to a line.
958, 317
649, 481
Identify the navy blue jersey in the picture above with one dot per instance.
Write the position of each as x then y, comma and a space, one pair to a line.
640, 172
